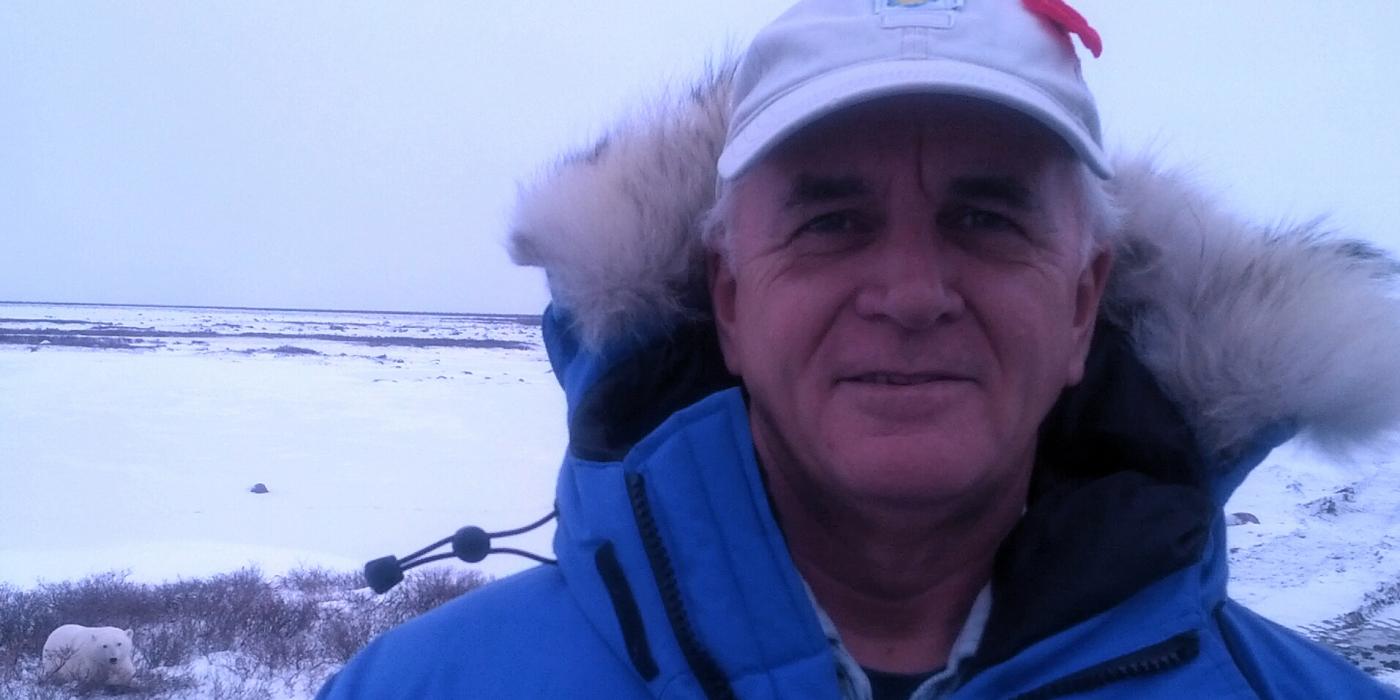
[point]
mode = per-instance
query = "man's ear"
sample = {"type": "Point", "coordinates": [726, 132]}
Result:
{"type": "Point", "coordinates": [1088, 292]}
{"type": "Point", "coordinates": [724, 289]}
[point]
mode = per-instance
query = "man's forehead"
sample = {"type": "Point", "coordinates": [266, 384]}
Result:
{"type": "Point", "coordinates": [844, 169]}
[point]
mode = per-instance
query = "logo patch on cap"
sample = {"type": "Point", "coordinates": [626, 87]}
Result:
{"type": "Point", "coordinates": [935, 14]}
{"type": "Point", "coordinates": [882, 5]}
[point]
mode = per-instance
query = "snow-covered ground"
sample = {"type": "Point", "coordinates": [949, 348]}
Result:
{"type": "Point", "coordinates": [1324, 557]}
{"type": "Point", "coordinates": [130, 440]}
{"type": "Point", "coordinates": [1328, 535]}
{"type": "Point", "coordinates": [397, 431]}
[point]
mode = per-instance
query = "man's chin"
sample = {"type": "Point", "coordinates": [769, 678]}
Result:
{"type": "Point", "coordinates": [921, 475]}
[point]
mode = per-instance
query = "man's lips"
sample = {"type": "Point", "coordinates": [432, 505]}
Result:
{"type": "Point", "coordinates": [898, 379]}
{"type": "Point", "coordinates": [903, 397]}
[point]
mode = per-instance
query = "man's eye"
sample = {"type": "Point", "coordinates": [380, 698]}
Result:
{"type": "Point", "coordinates": [982, 220]}
{"type": "Point", "coordinates": [832, 222]}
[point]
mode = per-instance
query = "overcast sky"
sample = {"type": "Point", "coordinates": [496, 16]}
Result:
{"type": "Point", "coordinates": [365, 155]}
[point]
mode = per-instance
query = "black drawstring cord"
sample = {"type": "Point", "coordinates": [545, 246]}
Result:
{"type": "Point", "coordinates": [470, 544]}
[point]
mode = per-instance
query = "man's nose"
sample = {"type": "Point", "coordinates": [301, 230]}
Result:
{"type": "Point", "coordinates": [910, 280]}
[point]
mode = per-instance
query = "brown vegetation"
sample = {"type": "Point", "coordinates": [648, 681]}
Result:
{"type": "Point", "coordinates": [236, 635]}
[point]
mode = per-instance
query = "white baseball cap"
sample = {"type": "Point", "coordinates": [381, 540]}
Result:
{"type": "Point", "coordinates": [822, 56]}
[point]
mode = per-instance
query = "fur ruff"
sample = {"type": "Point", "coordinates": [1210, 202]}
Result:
{"type": "Point", "coordinates": [1245, 327]}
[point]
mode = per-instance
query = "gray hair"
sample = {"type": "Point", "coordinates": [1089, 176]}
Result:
{"type": "Point", "coordinates": [1094, 204]}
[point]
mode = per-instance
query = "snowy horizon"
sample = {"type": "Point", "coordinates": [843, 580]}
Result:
{"type": "Point", "coordinates": [177, 306]}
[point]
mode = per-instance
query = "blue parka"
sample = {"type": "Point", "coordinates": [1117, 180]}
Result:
{"type": "Point", "coordinates": [674, 580]}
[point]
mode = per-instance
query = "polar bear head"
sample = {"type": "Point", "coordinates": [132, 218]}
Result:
{"type": "Point", "coordinates": [114, 651]}
{"type": "Point", "coordinates": [98, 655]}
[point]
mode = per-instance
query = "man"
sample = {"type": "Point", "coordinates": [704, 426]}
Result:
{"type": "Point", "coordinates": [853, 422]}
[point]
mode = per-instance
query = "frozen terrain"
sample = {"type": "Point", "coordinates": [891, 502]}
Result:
{"type": "Point", "coordinates": [1324, 557]}
{"type": "Point", "coordinates": [130, 437]}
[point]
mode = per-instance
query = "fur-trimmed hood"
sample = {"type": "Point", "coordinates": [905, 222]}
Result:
{"type": "Point", "coordinates": [1246, 328]}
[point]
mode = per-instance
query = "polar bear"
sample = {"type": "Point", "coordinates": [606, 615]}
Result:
{"type": "Point", "coordinates": [90, 655]}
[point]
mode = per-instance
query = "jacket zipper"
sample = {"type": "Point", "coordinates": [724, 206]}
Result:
{"type": "Point", "coordinates": [1158, 658]}
{"type": "Point", "coordinates": [707, 673]}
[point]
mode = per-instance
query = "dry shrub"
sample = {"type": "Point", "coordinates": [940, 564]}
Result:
{"type": "Point", "coordinates": [302, 626]}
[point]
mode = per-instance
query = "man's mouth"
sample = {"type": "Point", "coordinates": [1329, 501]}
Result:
{"type": "Point", "coordinates": [898, 378]}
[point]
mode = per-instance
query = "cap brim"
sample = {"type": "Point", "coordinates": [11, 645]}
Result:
{"type": "Point", "coordinates": [865, 82]}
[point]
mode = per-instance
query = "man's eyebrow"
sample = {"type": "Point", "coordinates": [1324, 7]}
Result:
{"type": "Point", "coordinates": [810, 189]}
{"type": "Point", "coordinates": [1007, 190]}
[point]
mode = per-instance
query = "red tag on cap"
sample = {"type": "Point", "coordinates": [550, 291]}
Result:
{"type": "Point", "coordinates": [1066, 18]}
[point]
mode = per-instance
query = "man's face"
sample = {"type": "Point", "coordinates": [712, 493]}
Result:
{"type": "Point", "coordinates": [906, 299]}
